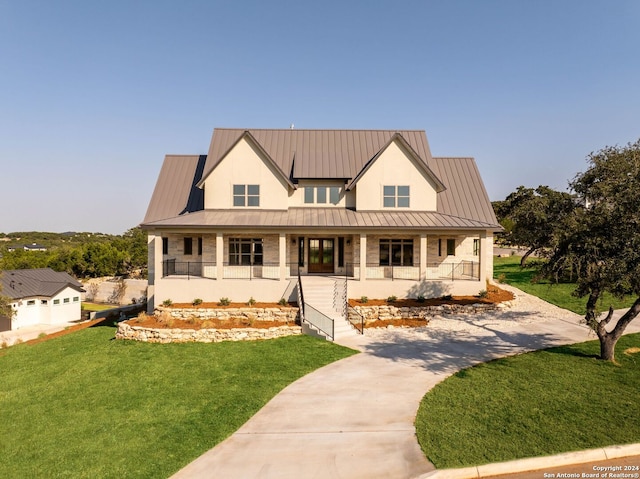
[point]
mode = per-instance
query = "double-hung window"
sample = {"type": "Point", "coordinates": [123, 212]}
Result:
{"type": "Point", "coordinates": [246, 195]}
{"type": "Point", "coordinates": [395, 196]}
{"type": "Point", "coordinates": [396, 252]}
{"type": "Point", "coordinates": [245, 251]}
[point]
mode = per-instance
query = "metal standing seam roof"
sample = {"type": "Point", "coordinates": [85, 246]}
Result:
{"type": "Point", "coordinates": [175, 192]}
{"type": "Point", "coordinates": [329, 154]}
{"type": "Point", "coordinates": [320, 218]}
{"type": "Point", "coordinates": [27, 283]}
{"type": "Point", "coordinates": [318, 153]}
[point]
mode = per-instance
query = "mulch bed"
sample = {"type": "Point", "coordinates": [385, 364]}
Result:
{"type": "Point", "coordinates": [156, 322]}
{"type": "Point", "coordinates": [230, 305]}
{"type": "Point", "coordinates": [494, 295]}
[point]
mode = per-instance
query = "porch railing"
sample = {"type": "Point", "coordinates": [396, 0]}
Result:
{"type": "Point", "coordinates": [202, 269]}
{"type": "Point", "coordinates": [454, 271]}
{"type": "Point", "coordinates": [462, 270]}
{"type": "Point", "coordinates": [171, 267]}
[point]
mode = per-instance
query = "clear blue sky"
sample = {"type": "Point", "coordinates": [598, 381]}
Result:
{"type": "Point", "coordinates": [94, 94]}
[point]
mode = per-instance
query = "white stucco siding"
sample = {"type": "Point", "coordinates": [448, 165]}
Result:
{"type": "Point", "coordinates": [61, 308]}
{"type": "Point", "coordinates": [65, 306]}
{"type": "Point", "coordinates": [244, 165]}
{"type": "Point", "coordinates": [395, 167]}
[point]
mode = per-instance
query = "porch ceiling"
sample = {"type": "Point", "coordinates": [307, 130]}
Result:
{"type": "Point", "coordinates": [321, 218]}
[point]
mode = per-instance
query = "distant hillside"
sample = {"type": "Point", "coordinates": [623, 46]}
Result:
{"type": "Point", "coordinates": [83, 255]}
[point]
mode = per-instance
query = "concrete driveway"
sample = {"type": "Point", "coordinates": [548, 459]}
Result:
{"type": "Point", "coordinates": [354, 418]}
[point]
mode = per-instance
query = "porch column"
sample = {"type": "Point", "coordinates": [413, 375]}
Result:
{"type": "Point", "coordinates": [363, 256]}
{"type": "Point", "coordinates": [154, 248]}
{"type": "Point", "coordinates": [219, 256]}
{"type": "Point", "coordinates": [282, 255]}
{"type": "Point", "coordinates": [483, 259]}
{"type": "Point", "coordinates": [423, 256]}
{"type": "Point", "coordinates": [208, 257]}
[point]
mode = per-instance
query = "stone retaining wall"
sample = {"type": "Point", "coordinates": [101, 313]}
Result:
{"type": "Point", "coordinates": [178, 335]}
{"type": "Point", "coordinates": [285, 314]}
{"type": "Point", "coordinates": [386, 312]}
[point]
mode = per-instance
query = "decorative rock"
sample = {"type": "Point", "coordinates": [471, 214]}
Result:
{"type": "Point", "coordinates": [152, 335]}
{"type": "Point", "coordinates": [389, 312]}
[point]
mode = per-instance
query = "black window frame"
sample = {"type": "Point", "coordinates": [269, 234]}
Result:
{"type": "Point", "coordinates": [396, 252]}
{"type": "Point", "coordinates": [246, 251]}
{"type": "Point", "coordinates": [187, 243]}
{"type": "Point", "coordinates": [165, 246]}
{"type": "Point", "coordinates": [451, 247]}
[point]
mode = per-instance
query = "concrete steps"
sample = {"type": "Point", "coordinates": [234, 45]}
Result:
{"type": "Point", "coordinates": [319, 293]}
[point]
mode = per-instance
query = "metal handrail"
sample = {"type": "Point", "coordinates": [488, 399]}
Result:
{"type": "Point", "coordinates": [353, 310]}
{"type": "Point", "coordinates": [300, 299]}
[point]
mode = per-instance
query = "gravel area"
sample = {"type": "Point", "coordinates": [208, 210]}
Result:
{"type": "Point", "coordinates": [524, 309]}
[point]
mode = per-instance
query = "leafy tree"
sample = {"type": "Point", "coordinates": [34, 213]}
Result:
{"type": "Point", "coordinates": [5, 304]}
{"type": "Point", "coordinates": [601, 246]}
{"type": "Point", "coordinates": [80, 254]}
{"type": "Point", "coordinates": [530, 217]}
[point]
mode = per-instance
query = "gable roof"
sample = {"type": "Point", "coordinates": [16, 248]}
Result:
{"type": "Point", "coordinates": [27, 283]}
{"type": "Point", "coordinates": [246, 134]}
{"type": "Point", "coordinates": [327, 154]}
{"type": "Point", "coordinates": [420, 164]}
{"type": "Point", "coordinates": [313, 154]}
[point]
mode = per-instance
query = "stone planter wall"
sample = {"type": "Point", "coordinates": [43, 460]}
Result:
{"type": "Point", "coordinates": [287, 314]}
{"type": "Point", "coordinates": [385, 312]}
{"type": "Point", "coordinates": [178, 335]}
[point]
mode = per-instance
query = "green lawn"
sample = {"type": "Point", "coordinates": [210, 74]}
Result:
{"type": "Point", "coordinates": [541, 403]}
{"type": "Point", "coordinates": [87, 406]}
{"type": "Point", "coordinates": [508, 269]}
{"type": "Point", "coordinates": [97, 306]}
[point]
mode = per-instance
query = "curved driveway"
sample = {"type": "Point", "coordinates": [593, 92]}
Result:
{"type": "Point", "coordinates": [354, 418]}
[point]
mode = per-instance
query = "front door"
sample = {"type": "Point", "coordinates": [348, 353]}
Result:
{"type": "Point", "coordinates": [321, 255]}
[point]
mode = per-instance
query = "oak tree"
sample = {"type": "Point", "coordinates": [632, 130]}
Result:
{"type": "Point", "coordinates": [530, 216]}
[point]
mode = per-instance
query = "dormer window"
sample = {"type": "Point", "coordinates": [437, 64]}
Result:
{"type": "Point", "coordinates": [246, 195]}
{"type": "Point", "coordinates": [395, 196]}
{"type": "Point", "coordinates": [320, 194]}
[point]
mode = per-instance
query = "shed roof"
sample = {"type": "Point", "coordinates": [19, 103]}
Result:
{"type": "Point", "coordinates": [323, 218]}
{"type": "Point", "coordinates": [27, 283]}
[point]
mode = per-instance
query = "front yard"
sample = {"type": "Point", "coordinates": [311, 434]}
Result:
{"type": "Point", "coordinates": [546, 402]}
{"type": "Point", "coordinates": [84, 405]}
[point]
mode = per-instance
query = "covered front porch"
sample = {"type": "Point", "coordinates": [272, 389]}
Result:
{"type": "Point", "coordinates": [453, 256]}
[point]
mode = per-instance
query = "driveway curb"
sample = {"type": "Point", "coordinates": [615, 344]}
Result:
{"type": "Point", "coordinates": [535, 463]}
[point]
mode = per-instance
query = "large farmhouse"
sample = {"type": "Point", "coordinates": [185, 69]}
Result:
{"type": "Point", "coordinates": [374, 208]}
